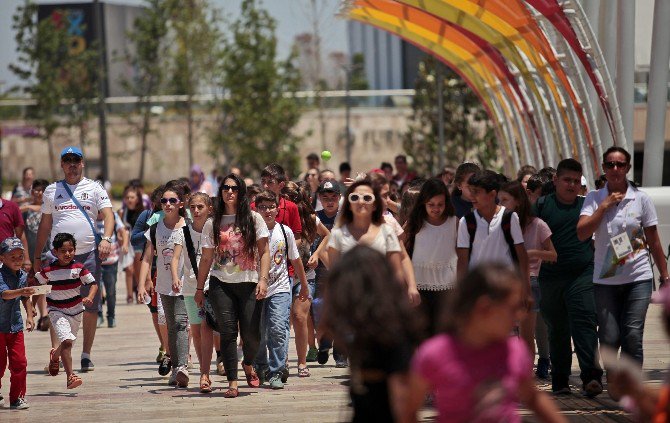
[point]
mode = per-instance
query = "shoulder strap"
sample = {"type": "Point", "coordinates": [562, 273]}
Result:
{"type": "Point", "coordinates": [506, 226]}
{"type": "Point", "coordinates": [190, 249]}
{"type": "Point", "coordinates": [97, 236]}
{"type": "Point", "coordinates": [283, 231]}
{"type": "Point", "coordinates": [471, 223]}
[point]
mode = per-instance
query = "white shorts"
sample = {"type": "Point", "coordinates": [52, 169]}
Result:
{"type": "Point", "coordinates": [66, 327]}
{"type": "Point", "coordinates": [161, 312]}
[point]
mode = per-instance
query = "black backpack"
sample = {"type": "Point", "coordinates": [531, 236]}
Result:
{"type": "Point", "coordinates": [506, 226]}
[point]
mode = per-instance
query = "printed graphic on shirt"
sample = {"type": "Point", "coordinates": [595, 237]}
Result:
{"type": "Point", "coordinates": [231, 254]}
{"type": "Point", "coordinates": [279, 255]}
{"type": "Point", "coordinates": [612, 266]}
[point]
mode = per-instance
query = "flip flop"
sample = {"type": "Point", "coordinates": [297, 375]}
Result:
{"type": "Point", "coordinates": [252, 377]}
{"type": "Point", "coordinates": [205, 384]}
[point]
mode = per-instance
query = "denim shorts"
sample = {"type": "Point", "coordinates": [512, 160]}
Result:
{"type": "Point", "coordinates": [311, 288]}
{"type": "Point", "coordinates": [535, 292]}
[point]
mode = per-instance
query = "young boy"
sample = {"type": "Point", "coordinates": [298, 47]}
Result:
{"type": "Point", "coordinates": [13, 290]}
{"type": "Point", "coordinates": [461, 197]}
{"type": "Point", "coordinates": [491, 228]}
{"type": "Point", "coordinates": [566, 287]}
{"type": "Point", "coordinates": [65, 302]}
{"type": "Point", "coordinates": [275, 329]}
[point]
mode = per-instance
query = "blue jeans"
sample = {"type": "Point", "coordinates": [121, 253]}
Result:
{"type": "Point", "coordinates": [621, 311]}
{"type": "Point", "coordinates": [109, 275]}
{"type": "Point", "coordinates": [275, 333]}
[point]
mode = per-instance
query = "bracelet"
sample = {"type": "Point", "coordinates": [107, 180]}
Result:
{"type": "Point", "coordinates": [264, 277]}
{"type": "Point", "coordinates": [199, 289]}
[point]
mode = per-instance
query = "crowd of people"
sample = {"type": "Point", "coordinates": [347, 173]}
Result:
{"type": "Point", "coordinates": [441, 289]}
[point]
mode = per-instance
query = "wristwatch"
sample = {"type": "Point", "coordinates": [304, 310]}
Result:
{"type": "Point", "coordinates": [106, 238]}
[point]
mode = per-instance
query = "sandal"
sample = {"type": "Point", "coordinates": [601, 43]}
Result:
{"type": "Point", "coordinates": [303, 372]}
{"type": "Point", "coordinates": [231, 393]}
{"type": "Point", "coordinates": [205, 384]}
{"type": "Point", "coordinates": [252, 377]}
{"type": "Point", "coordinates": [54, 365]}
{"type": "Point", "coordinates": [73, 381]}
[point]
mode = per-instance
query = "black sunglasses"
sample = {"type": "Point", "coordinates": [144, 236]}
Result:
{"type": "Point", "coordinates": [226, 188]}
{"type": "Point", "coordinates": [612, 165]}
{"type": "Point", "coordinates": [71, 159]}
{"type": "Point", "coordinates": [171, 200]}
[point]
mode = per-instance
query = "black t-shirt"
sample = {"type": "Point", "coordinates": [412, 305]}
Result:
{"type": "Point", "coordinates": [573, 255]}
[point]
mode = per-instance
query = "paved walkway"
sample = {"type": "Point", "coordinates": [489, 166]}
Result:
{"type": "Point", "coordinates": [125, 385]}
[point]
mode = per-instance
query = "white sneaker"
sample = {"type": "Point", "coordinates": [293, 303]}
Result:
{"type": "Point", "coordinates": [2, 401]}
{"type": "Point", "coordinates": [173, 378]}
{"type": "Point", "coordinates": [19, 404]}
{"type": "Point", "coordinates": [182, 377]}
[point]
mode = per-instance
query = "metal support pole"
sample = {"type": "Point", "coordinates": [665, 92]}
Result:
{"type": "Point", "coordinates": [440, 118]}
{"type": "Point", "coordinates": [654, 146]}
{"type": "Point", "coordinates": [607, 39]}
{"type": "Point", "coordinates": [625, 65]}
{"type": "Point", "coordinates": [102, 88]}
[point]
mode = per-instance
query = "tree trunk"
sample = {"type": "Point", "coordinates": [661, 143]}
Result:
{"type": "Point", "coordinates": [189, 119]}
{"type": "Point", "coordinates": [52, 156]}
{"type": "Point", "coordinates": [146, 122]}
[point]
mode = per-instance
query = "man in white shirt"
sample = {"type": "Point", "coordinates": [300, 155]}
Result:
{"type": "Point", "coordinates": [62, 213]}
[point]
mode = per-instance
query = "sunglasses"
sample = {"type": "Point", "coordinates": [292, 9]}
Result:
{"type": "Point", "coordinates": [226, 188]}
{"type": "Point", "coordinates": [266, 208]}
{"type": "Point", "coordinates": [71, 159]}
{"type": "Point", "coordinates": [365, 198]}
{"type": "Point", "coordinates": [171, 200]}
{"type": "Point", "coordinates": [612, 165]}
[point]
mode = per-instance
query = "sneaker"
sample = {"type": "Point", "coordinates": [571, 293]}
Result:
{"type": "Point", "coordinates": [111, 323]}
{"type": "Point", "coordinates": [173, 378]}
{"type": "Point", "coordinates": [161, 354]}
{"type": "Point", "coordinates": [2, 401]}
{"type": "Point", "coordinates": [19, 404]}
{"type": "Point", "coordinates": [262, 373]}
{"type": "Point", "coordinates": [593, 388]}
{"type": "Point", "coordinates": [182, 377]}
{"type": "Point", "coordinates": [276, 382]}
{"type": "Point", "coordinates": [542, 371]}
{"type": "Point", "coordinates": [341, 362]}
{"type": "Point", "coordinates": [87, 365]}
{"type": "Point", "coordinates": [54, 365]}
{"type": "Point", "coordinates": [73, 381]}
{"type": "Point", "coordinates": [165, 366]}
{"type": "Point", "coordinates": [312, 354]}
{"type": "Point", "coordinates": [322, 356]}
{"type": "Point", "coordinates": [101, 321]}
{"type": "Point", "coordinates": [284, 374]}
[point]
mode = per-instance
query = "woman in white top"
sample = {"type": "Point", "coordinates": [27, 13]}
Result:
{"type": "Point", "coordinates": [431, 231]}
{"type": "Point", "coordinates": [624, 222]}
{"type": "Point", "coordinates": [239, 277]}
{"type": "Point", "coordinates": [361, 222]}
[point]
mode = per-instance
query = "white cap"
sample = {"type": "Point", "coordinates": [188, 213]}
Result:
{"type": "Point", "coordinates": [584, 181]}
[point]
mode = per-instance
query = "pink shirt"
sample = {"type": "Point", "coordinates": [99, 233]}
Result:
{"type": "Point", "coordinates": [474, 385]}
{"type": "Point", "coordinates": [536, 232]}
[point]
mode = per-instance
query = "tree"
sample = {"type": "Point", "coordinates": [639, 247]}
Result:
{"type": "Point", "coordinates": [194, 30]}
{"type": "Point", "coordinates": [358, 80]}
{"type": "Point", "coordinates": [43, 57]}
{"type": "Point", "coordinates": [256, 118]}
{"type": "Point", "coordinates": [466, 126]}
{"type": "Point", "coordinates": [146, 58]}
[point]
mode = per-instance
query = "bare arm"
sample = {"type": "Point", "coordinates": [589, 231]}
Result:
{"type": "Point", "coordinates": [104, 248]}
{"type": "Point", "coordinates": [264, 270]}
{"type": "Point", "coordinates": [410, 280]}
{"type": "Point", "coordinates": [587, 225]}
{"type": "Point", "coordinates": [417, 389]}
{"type": "Point", "coordinates": [333, 256]}
{"type": "Point", "coordinates": [651, 233]}
{"type": "Point", "coordinates": [30, 312]}
{"type": "Point", "coordinates": [463, 263]}
{"type": "Point", "coordinates": [302, 277]}
{"type": "Point", "coordinates": [396, 264]}
{"type": "Point", "coordinates": [43, 232]}
{"type": "Point", "coordinates": [547, 253]}
{"type": "Point", "coordinates": [174, 267]}
{"type": "Point", "coordinates": [206, 260]}
{"type": "Point", "coordinates": [144, 282]}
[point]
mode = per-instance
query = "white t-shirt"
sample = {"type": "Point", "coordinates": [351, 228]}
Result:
{"type": "Point", "coordinates": [393, 223]}
{"type": "Point", "coordinates": [67, 218]}
{"type": "Point", "coordinates": [434, 258]}
{"type": "Point", "coordinates": [279, 281]}
{"type": "Point", "coordinates": [386, 240]}
{"type": "Point", "coordinates": [638, 212]}
{"type": "Point", "coordinates": [190, 281]}
{"type": "Point", "coordinates": [231, 263]}
{"type": "Point", "coordinates": [165, 241]}
{"type": "Point", "coordinates": [489, 244]}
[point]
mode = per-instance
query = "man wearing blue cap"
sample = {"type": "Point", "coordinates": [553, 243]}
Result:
{"type": "Point", "coordinates": [72, 206]}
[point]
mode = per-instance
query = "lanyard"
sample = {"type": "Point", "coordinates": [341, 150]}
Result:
{"type": "Point", "coordinates": [610, 232]}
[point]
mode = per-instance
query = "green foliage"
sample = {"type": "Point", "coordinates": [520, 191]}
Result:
{"type": "Point", "coordinates": [256, 119]}
{"type": "Point", "coordinates": [148, 38]}
{"type": "Point", "coordinates": [467, 131]}
{"type": "Point", "coordinates": [358, 80]}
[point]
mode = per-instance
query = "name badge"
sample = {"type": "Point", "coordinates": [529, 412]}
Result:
{"type": "Point", "coordinates": [621, 245]}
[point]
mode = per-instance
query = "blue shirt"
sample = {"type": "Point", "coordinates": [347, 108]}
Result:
{"type": "Point", "coordinates": [10, 310]}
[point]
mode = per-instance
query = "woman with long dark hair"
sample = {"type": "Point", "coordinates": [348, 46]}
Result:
{"type": "Point", "coordinates": [238, 248]}
{"type": "Point", "coordinates": [430, 239]}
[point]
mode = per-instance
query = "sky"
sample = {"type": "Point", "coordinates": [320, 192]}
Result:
{"type": "Point", "coordinates": [293, 17]}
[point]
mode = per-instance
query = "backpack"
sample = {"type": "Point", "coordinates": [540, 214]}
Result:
{"type": "Point", "coordinates": [506, 226]}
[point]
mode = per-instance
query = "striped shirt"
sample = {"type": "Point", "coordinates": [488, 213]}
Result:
{"type": "Point", "coordinates": [66, 282]}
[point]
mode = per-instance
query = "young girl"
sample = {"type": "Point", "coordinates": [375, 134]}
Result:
{"type": "Point", "coordinates": [537, 240]}
{"type": "Point", "coordinates": [476, 371]}
{"type": "Point", "coordinates": [200, 205]}
{"type": "Point", "coordinates": [430, 239]}
{"type": "Point", "coordinates": [239, 278]}
{"type": "Point", "coordinates": [367, 310]}
{"type": "Point", "coordinates": [311, 227]}
{"type": "Point", "coordinates": [129, 212]}
{"type": "Point", "coordinates": [161, 242]}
